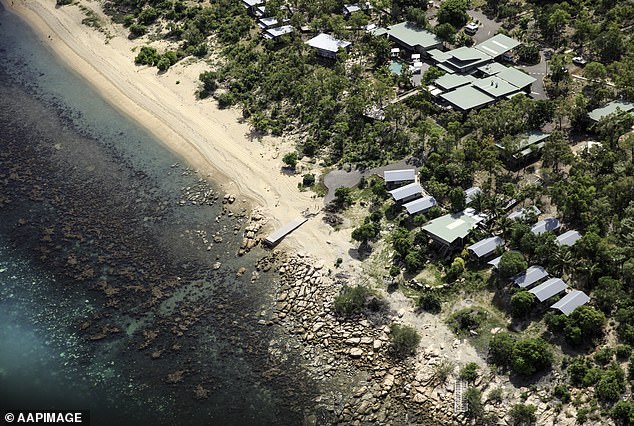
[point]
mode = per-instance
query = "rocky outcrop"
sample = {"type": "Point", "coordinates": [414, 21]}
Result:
{"type": "Point", "coordinates": [250, 238]}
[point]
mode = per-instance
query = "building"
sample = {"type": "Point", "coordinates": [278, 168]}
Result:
{"type": "Point", "coordinates": [394, 178]}
{"type": "Point", "coordinates": [251, 5]}
{"type": "Point", "coordinates": [462, 60]}
{"type": "Point", "coordinates": [407, 193]}
{"type": "Point", "coordinates": [485, 248]}
{"type": "Point", "coordinates": [453, 81]}
{"type": "Point", "coordinates": [549, 224]}
{"type": "Point", "coordinates": [497, 45]}
{"type": "Point", "coordinates": [530, 276]}
{"type": "Point", "coordinates": [420, 205]}
{"type": "Point", "coordinates": [525, 147]}
{"type": "Point", "coordinates": [568, 238]}
{"type": "Point", "coordinates": [548, 289]}
{"type": "Point", "coordinates": [524, 213]}
{"type": "Point", "coordinates": [266, 23]}
{"type": "Point", "coordinates": [413, 38]}
{"type": "Point", "coordinates": [495, 87]}
{"type": "Point", "coordinates": [471, 193]}
{"type": "Point", "coordinates": [349, 9]}
{"type": "Point", "coordinates": [275, 33]}
{"type": "Point", "coordinates": [571, 301]}
{"type": "Point", "coordinates": [451, 229]}
{"type": "Point", "coordinates": [327, 46]}
{"type": "Point", "coordinates": [516, 77]}
{"type": "Point", "coordinates": [467, 98]}
{"type": "Point", "coordinates": [618, 107]}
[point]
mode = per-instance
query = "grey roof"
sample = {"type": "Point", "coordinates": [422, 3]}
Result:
{"type": "Point", "coordinates": [516, 77]}
{"type": "Point", "coordinates": [277, 32]}
{"type": "Point", "coordinates": [399, 175]}
{"type": "Point", "coordinates": [486, 246]}
{"type": "Point", "coordinates": [612, 107]}
{"type": "Point", "coordinates": [286, 229]}
{"type": "Point", "coordinates": [451, 81]}
{"type": "Point", "coordinates": [549, 288]}
{"type": "Point", "coordinates": [492, 68]}
{"type": "Point", "coordinates": [450, 227]}
{"type": "Point", "coordinates": [252, 3]}
{"type": "Point", "coordinates": [412, 35]}
{"type": "Point", "coordinates": [467, 97]}
{"type": "Point", "coordinates": [495, 262]}
{"type": "Point", "coordinates": [571, 301]}
{"type": "Point", "coordinates": [420, 205]}
{"type": "Point", "coordinates": [530, 276]}
{"type": "Point", "coordinates": [523, 212]}
{"type": "Point", "coordinates": [465, 57]}
{"type": "Point", "coordinates": [267, 22]}
{"type": "Point", "coordinates": [349, 8]}
{"type": "Point", "coordinates": [438, 55]}
{"type": "Point", "coordinates": [495, 86]}
{"type": "Point", "coordinates": [548, 224]}
{"type": "Point", "coordinates": [327, 42]}
{"type": "Point", "coordinates": [497, 45]}
{"type": "Point", "coordinates": [406, 191]}
{"type": "Point", "coordinates": [378, 31]}
{"type": "Point", "coordinates": [568, 238]}
{"type": "Point", "coordinates": [471, 193]}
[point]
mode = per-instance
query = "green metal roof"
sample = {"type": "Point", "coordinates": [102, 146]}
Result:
{"type": "Point", "coordinates": [450, 227]}
{"type": "Point", "coordinates": [492, 69]}
{"type": "Point", "coordinates": [412, 35]}
{"type": "Point", "coordinates": [451, 81]}
{"type": "Point", "coordinates": [497, 45]}
{"type": "Point", "coordinates": [495, 86]}
{"type": "Point", "coordinates": [610, 108]}
{"type": "Point", "coordinates": [526, 140]}
{"type": "Point", "coordinates": [467, 97]}
{"type": "Point", "coordinates": [516, 77]}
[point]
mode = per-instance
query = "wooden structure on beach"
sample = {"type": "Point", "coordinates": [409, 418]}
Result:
{"type": "Point", "coordinates": [280, 233]}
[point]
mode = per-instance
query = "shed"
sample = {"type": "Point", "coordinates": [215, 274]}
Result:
{"type": "Point", "coordinates": [407, 193]}
{"type": "Point", "coordinates": [614, 106]}
{"type": "Point", "coordinates": [497, 45]}
{"type": "Point", "coordinates": [397, 177]}
{"type": "Point", "coordinates": [571, 301]}
{"type": "Point", "coordinates": [549, 224]}
{"type": "Point", "coordinates": [549, 288]}
{"type": "Point", "coordinates": [524, 213]}
{"type": "Point", "coordinates": [412, 37]}
{"type": "Point", "coordinates": [486, 247]}
{"type": "Point", "coordinates": [471, 193]}
{"type": "Point", "coordinates": [530, 276]}
{"type": "Point", "coordinates": [420, 205]}
{"type": "Point", "coordinates": [327, 46]}
{"type": "Point", "coordinates": [449, 228]}
{"type": "Point", "coordinates": [466, 98]}
{"type": "Point", "coordinates": [568, 238]}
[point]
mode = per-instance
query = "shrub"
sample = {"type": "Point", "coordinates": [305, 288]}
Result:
{"type": "Point", "coordinates": [623, 352]}
{"type": "Point", "coordinates": [147, 56]}
{"type": "Point", "coordinates": [466, 320]}
{"type": "Point", "coordinates": [209, 81]}
{"type": "Point", "coordinates": [308, 180]}
{"type": "Point", "coordinates": [163, 64]}
{"type": "Point", "coordinates": [562, 392]}
{"type": "Point", "coordinates": [443, 370]}
{"type": "Point", "coordinates": [501, 349]}
{"type": "Point", "coordinates": [623, 413]}
{"type": "Point", "coordinates": [351, 300]}
{"type": "Point", "coordinates": [469, 372]}
{"type": "Point", "coordinates": [523, 414]}
{"type": "Point", "coordinates": [530, 356]}
{"type": "Point", "coordinates": [588, 320]}
{"type": "Point", "coordinates": [137, 30]}
{"type": "Point", "coordinates": [404, 339]}
{"type": "Point", "coordinates": [522, 303]}
{"type": "Point", "coordinates": [290, 159]}
{"type": "Point", "coordinates": [611, 384]}
{"type": "Point", "coordinates": [413, 262]}
{"type": "Point", "coordinates": [343, 197]}
{"type": "Point", "coordinates": [511, 263]}
{"type": "Point", "coordinates": [63, 2]}
{"type": "Point", "coordinates": [496, 395]}
{"type": "Point", "coordinates": [430, 302]}
{"type": "Point", "coordinates": [604, 356]}
{"type": "Point", "coordinates": [474, 402]}
{"type": "Point", "coordinates": [577, 370]}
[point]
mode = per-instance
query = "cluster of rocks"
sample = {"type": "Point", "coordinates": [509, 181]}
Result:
{"type": "Point", "coordinates": [250, 238]}
{"type": "Point", "coordinates": [200, 194]}
{"type": "Point", "coordinates": [228, 199]}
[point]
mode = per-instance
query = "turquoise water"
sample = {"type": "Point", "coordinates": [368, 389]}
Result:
{"type": "Point", "coordinates": [396, 67]}
{"type": "Point", "coordinates": [108, 301]}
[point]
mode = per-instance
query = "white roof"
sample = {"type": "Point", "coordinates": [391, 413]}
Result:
{"type": "Point", "coordinates": [279, 31]}
{"type": "Point", "coordinates": [523, 212]}
{"type": "Point", "coordinates": [327, 42]}
{"type": "Point", "coordinates": [486, 246]}
{"type": "Point", "coordinates": [495, 262]}
{"type": "Point", "coordinates": [568, 238]}
{"type": "Point", "coordinates": [399, 175]}
{"type": "Point", "coordinates": [471, 193]}
{"type": "Point", "coordinates": [420, 205]}
{"type": "Point", "coordinates": [548, 224]}
{"type": "Point", "coordinates": [571, 301]}
{"type": "Point", "coordinates": [530, 276]}
{"type": "Point", "coordinates": [549, 288]}
{"type": "Point", "coordinates": [267, 22]}
{"type": "Point", "coordinates": [406, 191]}
{"type": "Point", "coordinates": [252, 3]}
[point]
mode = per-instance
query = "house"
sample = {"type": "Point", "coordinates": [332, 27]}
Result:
{"type": "Point", "coordinates": [497, 45]}
{"type": "Point", "coordinates": [525, 147]}
{"type": "Point", "coordinates": [549, 224]}
{"type": "Point", "coordinates": [327, 46]}
{"type": "Point", "coordinates": [275, 33]}
{"type": "Point", "coordinates": [251, 5]}
{"type": "Point", "coordinates": [485, 248]}
{"type": "Point", "coordinates": [568, 238]}
{"type": "Point", "coordinates": [420, 205]}
{"type": "Point", "coordinates": [462, 60]}
{"type": "Point", "coordinates": [452, 81]}
{"type": "Point", "coordinates": [471, 193]}
{"type": "Point", "coordinates": [407, 193]}
{"type": "Point", "coordinates": [524, 213]}
{"type": "Point", "coordinates": [548, 289]}
{"type": "Point", "coordinates": [265, 23]}
{"type": "Point", "coordinates": [394, 178]}
{"type": "Point", "coordinates": [516, 77]}
{"type": "Point", "coordinates": [530, 276]}
{"type": "Point", "coordinates": [495, 87]}
{"type": "Point", "coordinates": [619, 107]}
{"type": "Point", "coordinates": [467, 98]}
{"type": "Point", "coordinates": [571, 301]}
{"type": "Point", "coordinates": [349, 9]}
{"type": "Point", "coordinates": [413, 38]}
{"type": "Point", "coordinates": [451, 229]}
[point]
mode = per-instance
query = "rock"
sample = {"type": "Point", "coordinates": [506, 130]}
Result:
{"type": "Point", "coordinates": [377, 344]}
{"type": "Point", "coordinates": [356, 352]}
{"type": "Point", "coordinates": [353, 341]}
{"type": "Point", "coordinates": [216, 266]}
{"type": "Point", "coordinates": [241, 271]}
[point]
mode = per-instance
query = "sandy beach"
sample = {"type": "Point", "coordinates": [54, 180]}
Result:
{"type": "Point", "coordinates": [214, 141]}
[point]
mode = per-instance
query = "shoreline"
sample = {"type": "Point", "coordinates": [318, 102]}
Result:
{"type": "Point", "coordinates": [209, 139]}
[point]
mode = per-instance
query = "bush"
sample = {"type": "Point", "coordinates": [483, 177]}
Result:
{"type": "Point", "coordinates": [163, 64]}
{"type": "Point", "coordinates": [589, 322]}
{"type": "Point", "coordinates": [523, 414]}
{"type": "Point", "coordinates": [475, 408]}
{"type": "Point", "coordinates": [469, 372]}
{"type": "Point", "coordinates": [604, 356]}
{"type": "Point", "coordinates": [343, 197]}
{"type": "Point", "coordinates": [209, 81]}
{"type": "Point", "coordinates": [137, 30]}
{"type": "Point", "coordinates": [290, 159]}
{"type": "Point", "coordinates": [623, 413]}
{"type": "Point", "coordinates": [623, 352]}
{"type": "Point", "coordinates": [404, 339]}
{"type": "Point", "coordinates": [577, 370]}
{"type": "Point", "coordinates": [562, 392]}
{"type": "Point", "coordinates": [225, 100]}
{"type": "Point", "coordinates": [443, 370]}
{"type": "Point", "coordinates": [430, 302]}
{"type": "Point", "coordinates": [63, 2]}
{"type": "Point", "coordinates": [522, 303]}
{"type": "Point", "coordinates": [611, 384]}
{"type": "Point", "coordinates": [308, 180]}
{"type": "Point", "coordinates": [413, 262]}
{"type": "Point", "coordinates": [352, 300]}
{"type": "Point", "coordinates": [530, 356]}
{"type": "Point", "coordinates": [466, 320]}
{"type": "Point", "coordinates": [511, 263]}
{"type": "Point", "coordinates": [496, 395]}
{"type": "Point", "coordinates": [501, 349]}
{"type": "Point", "coordinates": [147, 56]}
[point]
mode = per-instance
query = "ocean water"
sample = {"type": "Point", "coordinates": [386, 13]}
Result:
{"type": "Point", "coordinates": [108, 298]}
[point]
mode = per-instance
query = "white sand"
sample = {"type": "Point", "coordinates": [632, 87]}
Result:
{"type": "Point", "coordinates": [211, 140]}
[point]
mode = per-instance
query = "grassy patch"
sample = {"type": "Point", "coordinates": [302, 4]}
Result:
{"type": "Point", "coordinates": [431, 275]}
{"type": "Point", "coordinates": [476, 323]}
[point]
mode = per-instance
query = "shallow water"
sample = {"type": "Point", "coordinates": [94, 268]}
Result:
{"type": "Point", "coordinates": [108, 301]}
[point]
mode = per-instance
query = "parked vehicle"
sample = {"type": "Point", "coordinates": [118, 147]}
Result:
{"type": "Point", "coordinates": [579, 60]}
{"type": "Point", "coordinates": [471, 28]}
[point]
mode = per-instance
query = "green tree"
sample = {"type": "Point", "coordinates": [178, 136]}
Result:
{"type": "Point", "coordinates": [446, 32]}
{"type": "Point", "coordinates": [530, 356]}
{"type": "Point", "coordinates": [343, 197]}
{"type": "Point", "coordinates": [365, 232]}
{"type": "Point", "coordinates": [454, 12]}
{"type": "Point", "coordinates": [457, 199]}
{"type": "Point", "coordinates": [290, 159]}
{"type": "Point", "coordinates": [163, 64]}
{"type": "Point", "coordinates": [522, 303]}
{"type": "Point", "coordinates": [404, 340]}
{"type": "Point", "coordinates": [430, 302]}
{"type": "Point", "coordinates": [589, 320]}
{"type": "Point", "coordinates": [351, 300]}
{"type": "Point", "coordinates": [557, 152]}
{"type": "Point", "coordinates": [501, 349]}
{"type": "Point", "coordinates": [523, 414]}
{"type": "Point", "coordinates": [623, 413]}
{"type": "Point", "coordinates": [511, 264]}
{"type": "Point", "coordinates": [475, 408]}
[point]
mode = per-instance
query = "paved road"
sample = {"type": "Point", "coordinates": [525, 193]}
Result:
{"type": "Point", "coordinates": [488, 27]}
{"type": "Point", "coordinates": [539, 72]}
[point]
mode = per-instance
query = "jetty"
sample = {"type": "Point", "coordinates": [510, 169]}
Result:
{"type": "Point", "coordinates": [280, 233]}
